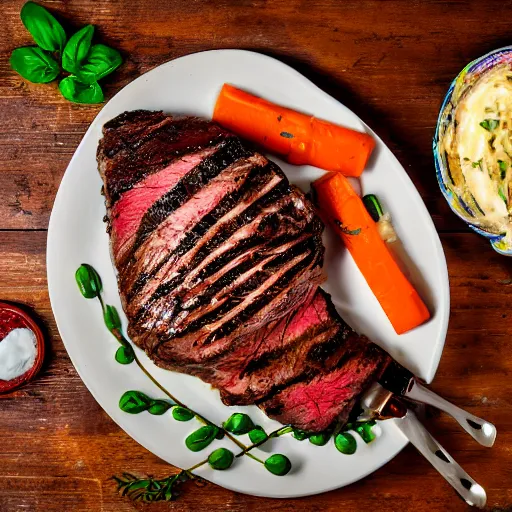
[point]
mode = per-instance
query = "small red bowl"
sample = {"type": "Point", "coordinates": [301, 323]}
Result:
{"type": "Point", "coordinates": [12, 317]}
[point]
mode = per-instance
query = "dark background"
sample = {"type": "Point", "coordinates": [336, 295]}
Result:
{"type": "Point", "coordinates": [391, 62]}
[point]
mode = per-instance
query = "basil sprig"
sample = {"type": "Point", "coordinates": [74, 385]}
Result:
{"type": "Point", "coordinates": [88, 63]}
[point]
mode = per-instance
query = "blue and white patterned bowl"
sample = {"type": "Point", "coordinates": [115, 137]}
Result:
{"type": "Point", "coordinates": [462, 82]}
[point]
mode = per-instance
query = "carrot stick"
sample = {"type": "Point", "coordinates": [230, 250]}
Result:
{"type": "Point", "coordinates": [342, 208]}
{"type": "Point", "coordinates": [300, 138]}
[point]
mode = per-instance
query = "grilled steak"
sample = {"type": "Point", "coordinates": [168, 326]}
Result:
{"type": "Point", "coordinates": [219, 260]}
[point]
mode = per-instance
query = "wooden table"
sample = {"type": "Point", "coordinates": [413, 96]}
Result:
{"type": "Point", "coordinates": [391, 62]}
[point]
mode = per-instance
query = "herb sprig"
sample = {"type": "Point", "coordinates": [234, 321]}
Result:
{"type": "Point", "coordinates": [86, 63]}
{"type": "Point", "coordinates": [149, 489]}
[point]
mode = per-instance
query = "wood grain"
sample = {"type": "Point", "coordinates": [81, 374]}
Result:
{"type": "Point", "coordinates": [391, 62]}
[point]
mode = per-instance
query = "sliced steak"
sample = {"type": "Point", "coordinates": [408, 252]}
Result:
{"type": "Point", "coordinates": [315, 404]}
{"type": "Point", "coordinates": [219, 260]}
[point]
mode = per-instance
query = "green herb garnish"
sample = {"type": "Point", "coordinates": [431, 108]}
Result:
{"type": "Point", "coordinates": [477, 164]}
{"type": "Point", "coordinates": [77, 48]}
{"type": "Point", "coordinates": [503, 196]}
{"type": "Point", "coordinates": [238, 424]}
{"type": "Point", "coordinates": [287, 135]}
{"type": "Point", "coordinates": [345, 443]}
{"type": "Point", "coordinates": [489, 124]}
{"type": "Point", "coordinates": [221, 459]}
{"type": "Point", "coordinates": [88, 63]}
{"type": "Point", "coordinates": [43, 27]}
{"type": "Point", "coordinates": [373, 206]}
{"type": "Point", "coordinates": [319, 439]}
{"type": "Point", "coordinates": [135, 402]}
{"type": "Point", "coordinates": [278, 464]}
{"type": "Point", "coordinates": [182, 413]}
{"type": "Point", "coordinates": [201, 438]}
{"type": "Point", "coordinates": [345, 230]}
{"type": "Point", "coordinates": [257, 435]}
{"type": "Point", "coordinates": [503, 169]}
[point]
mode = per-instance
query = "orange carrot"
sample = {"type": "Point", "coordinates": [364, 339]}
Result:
{"type": "Point", "coordinates": [342, 208]}
{"type": "Point", "coordinates": [300, 138]}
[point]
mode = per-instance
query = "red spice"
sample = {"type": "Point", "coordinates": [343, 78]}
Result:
{"type": "Point", "coordinates": [10, 320]}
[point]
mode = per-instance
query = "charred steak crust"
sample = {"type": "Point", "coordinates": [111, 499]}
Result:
{"type": "Point", "coordinates": [219, 260]}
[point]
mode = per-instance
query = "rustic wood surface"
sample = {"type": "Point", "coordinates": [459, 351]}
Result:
{"type": "Point", "coordinates": [391, 62]}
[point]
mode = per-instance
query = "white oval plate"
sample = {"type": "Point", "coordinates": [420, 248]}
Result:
{"type": "Point", "coordinates": [190, 85]}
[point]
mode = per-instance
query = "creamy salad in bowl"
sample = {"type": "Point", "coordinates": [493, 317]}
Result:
{"type": "Point", "coordinates": [473, 147]}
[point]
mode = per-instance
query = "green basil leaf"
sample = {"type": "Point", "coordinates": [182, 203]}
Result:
{"type": "Point", "coordinates": [238, 424]}
{"type": "Point", "coordinates": [111, 317]}
{"type": "Point", "coordinates": [319, 439]}
{"type": "Point", "coordinates": [34, 64]}
{"type": "Point", "coordinates": [44, 28]}
{"type": "Point", "coordinates": [77, 48]}
{"type": "Point", "coordinates": [74, 90]}
{"type": "Point", "coordinates": [100, 62]}
{"type": "Point", "coordinates": [345, 443]}
{"type": "Point", "coordinates": [159, 407]}
{"type": "Point", "coordinates": [201, 438]}
{"type": "Point", "coordinates": [300, 435]}
{"type": "Point", "coordinates": [278, 464]}
{"type": "Point", "coordinates": [134, 402]}
{"type": "Point", "coordinates": [88, 281]}
{"type": "Point", "coordinates": [257, 435]}
{"type": "Point", "coordinates": [125, 355]}
{"type": "Point", "coordinates": [221, 459]}
{"type": "Point", "coordinates": [181, 413]}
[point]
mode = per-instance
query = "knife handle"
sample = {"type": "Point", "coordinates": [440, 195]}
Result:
{"type": "Point", "coordinates": [480, 430]}
{"type": "Point", "coordinates": [469, 490]}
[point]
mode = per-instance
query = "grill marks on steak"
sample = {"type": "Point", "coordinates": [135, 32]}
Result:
{"type": "Point", "coordinates": [219, 261]}
{"type": "Point", "coordinates": [139, 143]}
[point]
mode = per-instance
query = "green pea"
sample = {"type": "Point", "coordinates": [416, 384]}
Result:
{"type": "Point", "coordinates": [201, 438]}
{"type": "Point", "coordinates": [278, 464]}
{"type": "Point", "coordinates": [159, 407]}
{"type": "Point", "coordinates": [181, 413]}
{"type": "Point", "coordinates": [221, 459]}
{"type": "Point", "coordinates": [238, 424]}
{"type": "Point", "coordinates": [134, 402]}
{"type": "Point", "coordinates": [345, 443]}
{"type": "Point", "coordinates": [365, 431]}
{"type": "Point", "coordinates": [300, 435]}
{"type": "Point", "coordinates": [88, 281]}
{"type": "Point", "coordinates": [125, 355]}
{"type": "Point", "coordinates": [319, 439]}
{"type": "Point", "coordinates": [257, 435]}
